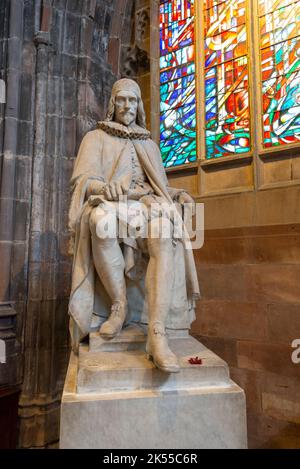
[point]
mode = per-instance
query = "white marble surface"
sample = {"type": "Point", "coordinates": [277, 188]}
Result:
{"type": "Point", "coordinates": [128, 403]}
{"type": "Point", "coordinates": [131, 337]}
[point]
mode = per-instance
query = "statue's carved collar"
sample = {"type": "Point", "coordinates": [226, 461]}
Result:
{"type": "Point", "coordinates": [119, 130]}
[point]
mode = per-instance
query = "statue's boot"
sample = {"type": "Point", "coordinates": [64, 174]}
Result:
{"type": "Point", "coordinates": [158, 350]}
{"type": "Point", "coordinates": [159, 277]}
{"type": "Point", "coordinates": [113, 325]}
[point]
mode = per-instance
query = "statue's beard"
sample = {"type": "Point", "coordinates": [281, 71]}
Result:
{"type": "Point", "coordinates": [127, 118]}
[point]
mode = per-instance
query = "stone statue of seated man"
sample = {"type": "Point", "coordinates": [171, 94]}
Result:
{"type": "Point", "coordinates": [117, 171]}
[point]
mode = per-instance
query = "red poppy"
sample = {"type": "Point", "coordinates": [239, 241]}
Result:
{"type": "Point", "coordinates": [195, 361]}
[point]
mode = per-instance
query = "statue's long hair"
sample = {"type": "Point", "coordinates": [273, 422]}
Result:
{"type": "Point", "coordinates": [140, 117]}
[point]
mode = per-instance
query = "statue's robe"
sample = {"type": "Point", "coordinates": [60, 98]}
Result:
{"type": "Point", "coordinates": [102, 156]}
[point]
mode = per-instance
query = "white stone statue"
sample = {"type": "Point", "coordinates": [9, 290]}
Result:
{"type": "Point", "coordinates": [125, 279]}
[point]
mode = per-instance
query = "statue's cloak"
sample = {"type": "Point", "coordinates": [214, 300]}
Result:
{"type": "Point", "coordinates": [102, 156]}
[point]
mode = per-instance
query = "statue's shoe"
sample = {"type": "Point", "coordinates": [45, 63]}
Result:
{"type": "Point", "coordinates": [158, 350]}
{"type": "Point", "coordinates": [113, 325]}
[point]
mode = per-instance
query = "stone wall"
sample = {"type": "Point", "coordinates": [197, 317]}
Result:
{"type": "Point", "coordinates": [59, 60]}
{"type": "Point", "coordinates": [249, 312]}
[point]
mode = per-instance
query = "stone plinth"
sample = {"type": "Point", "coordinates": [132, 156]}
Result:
{"type": "Point", "coordinates": [131, 338]}
{"type": "Point", "coordinates": [118, 399]}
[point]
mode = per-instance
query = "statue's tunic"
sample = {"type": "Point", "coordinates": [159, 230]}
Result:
{"type": "Point", "coordinates": [139, 178]}
{"type": "Point", "coordinates": [132, 213]}
{"type": "Point", "coordinates": [114, 152]}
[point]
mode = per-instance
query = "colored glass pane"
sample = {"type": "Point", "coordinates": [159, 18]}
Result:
{"type": "Point", "coordinates": [231, 16]}
{"type": "Point", "coordinates": [280, 57]}
{"type": "Point", "coordinates": [230, 75]}
{"type": "Point", "coordinates": [267, 6]}
{"type": "Point", "coordinates": [225, 46]}
{"type": "Point", "coordinates": [287, 91]}
{"type": "Point", "coordinates": [178, 135]}
{"type": "Point", "coordinates": [179, 30]}
{"type": "Point", "coordinates": [218, 145]}
{"type": "Point", "coordinates": [170, 12]}
{"type": "Point", "coordinates": [172, 119]}
{"type": "Point", "coordinates": [177, 72]}
{"type": "Point", "coordinates": [177, 58]}
{"type": "Point", "coordinates": [282, 127]}
{"type": "Point", "coordinates": [280, 25]}
{"type": "Point", "coordinates": [177, 93]}
{"type": "Point", "coordinates": [177, 78]}
{"type": "Point", "coordinates": [227, 119]}
{"type": "Point", "coordinates": [281, 60]}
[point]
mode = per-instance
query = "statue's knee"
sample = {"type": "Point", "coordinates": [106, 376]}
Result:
{"type": "Point", "coordinates": [160, 239]}
{"type": "Point", "coordinates": [94, 217]}
{"type": "Point", "coordinates": [103, 225]}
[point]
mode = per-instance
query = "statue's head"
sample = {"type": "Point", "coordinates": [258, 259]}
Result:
{"type": "Point", "coordinates": [126, 105]}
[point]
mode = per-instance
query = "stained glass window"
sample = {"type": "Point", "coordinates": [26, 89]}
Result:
{"type": "Point", "coordinates": [177, 82]}
{"type": "Point", "coordinates": [225, 52]}
{"type": "Point", "coordinates": [227, 128]}
{"type": "Point", "coordinates": [279, 24]}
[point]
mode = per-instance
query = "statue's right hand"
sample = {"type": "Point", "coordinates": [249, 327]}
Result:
{"type": "Point", "coordinates": [95, 187]}
{"type": "Point", "coordinates": [114, 190]}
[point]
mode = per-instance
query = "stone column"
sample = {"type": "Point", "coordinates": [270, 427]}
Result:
{"type": "Point", "coordinates": [13, 203]}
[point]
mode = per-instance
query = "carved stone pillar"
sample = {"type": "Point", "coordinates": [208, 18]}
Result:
{"type": "Point", "coordinates": [13, 201]}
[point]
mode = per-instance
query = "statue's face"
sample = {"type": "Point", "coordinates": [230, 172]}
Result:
{"type": "Point", "coordinates": [126, 105]}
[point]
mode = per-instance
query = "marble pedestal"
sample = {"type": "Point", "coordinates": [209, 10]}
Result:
{"type": "Point", "coordinates": [115, 398]}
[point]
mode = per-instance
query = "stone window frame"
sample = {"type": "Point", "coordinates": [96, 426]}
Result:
{"type": "Point", "coordinates": [259, 169]}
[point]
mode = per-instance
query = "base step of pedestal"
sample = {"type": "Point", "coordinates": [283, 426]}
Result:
{"type": "Point", "coordinates": [131, 370]}
{"type": "Point", "coordinates": [132, 337]}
